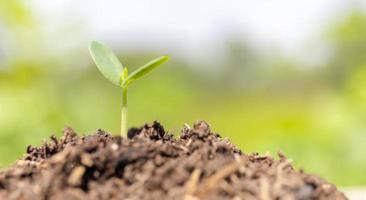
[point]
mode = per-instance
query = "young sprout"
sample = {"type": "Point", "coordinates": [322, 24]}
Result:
{"type": "Point", "coordinates": [109, 65]}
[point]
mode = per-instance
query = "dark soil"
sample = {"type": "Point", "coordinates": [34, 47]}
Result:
{"type": "Point", "coordinates": [152, 164]}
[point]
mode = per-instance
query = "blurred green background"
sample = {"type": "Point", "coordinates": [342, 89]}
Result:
{"type": "Point", "coordinates": [262, 99]}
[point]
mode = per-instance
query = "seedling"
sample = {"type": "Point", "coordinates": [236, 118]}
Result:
{"type": "Point", "coordinates": [112, 69]}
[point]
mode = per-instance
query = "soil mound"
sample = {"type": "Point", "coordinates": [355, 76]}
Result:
{"type": "Point", "coordinates": [152, 164]}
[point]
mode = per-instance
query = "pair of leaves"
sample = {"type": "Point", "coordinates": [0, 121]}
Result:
{"type": "Point", "coordinates": [109, 65]}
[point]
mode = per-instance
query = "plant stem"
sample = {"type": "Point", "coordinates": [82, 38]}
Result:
{"type": "Point", "coordinates": [124, 113]}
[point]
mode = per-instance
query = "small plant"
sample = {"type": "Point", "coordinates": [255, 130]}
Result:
{"type": "Point", "coordinates": [109, 65]}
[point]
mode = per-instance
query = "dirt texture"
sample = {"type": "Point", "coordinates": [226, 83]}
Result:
{"type": "Point", "coordinates": [152, 164]}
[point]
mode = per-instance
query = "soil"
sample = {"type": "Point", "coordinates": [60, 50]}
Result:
{"type": "Point", "coordinates": [152, 164]}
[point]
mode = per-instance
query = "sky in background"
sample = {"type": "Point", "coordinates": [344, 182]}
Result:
{"type": "Point", "coordinates": [195, 27]}
{"type": "Point", "coordinates": [197, 31]}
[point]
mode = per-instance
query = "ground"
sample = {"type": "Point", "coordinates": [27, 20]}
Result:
{"type": "Point", "coordinates": [152, 164]}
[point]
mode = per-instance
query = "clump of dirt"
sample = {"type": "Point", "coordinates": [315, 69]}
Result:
{"type": "Point", "coordinates": [152, 164]}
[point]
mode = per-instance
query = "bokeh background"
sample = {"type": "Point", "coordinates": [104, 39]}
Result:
{"type": "Point", "coordinates": [270, 75]}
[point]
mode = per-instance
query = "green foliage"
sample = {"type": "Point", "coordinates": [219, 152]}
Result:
{"type": "Point", "coordinates": [109, 65]}
{"type": "Point", "coordinates": [144, 70]}
{"type": "Point", "coordinates": [107, 62]}
{"type": "Point", "coordinates": [14, 13]}
{"type": "Point", "coordinates": [348, 47]}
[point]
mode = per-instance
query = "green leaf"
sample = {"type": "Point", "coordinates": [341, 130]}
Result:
{"type": "Point", "coordinates": [144, 70]}
{"type": "Point", "coordinates": [107, 62]}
